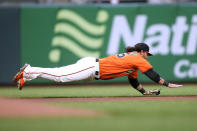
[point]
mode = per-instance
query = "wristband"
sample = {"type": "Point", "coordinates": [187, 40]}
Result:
{"type": "Point", "coordinates": [142, 90]}
{"type": "Point", "coordinates": [165, 83]}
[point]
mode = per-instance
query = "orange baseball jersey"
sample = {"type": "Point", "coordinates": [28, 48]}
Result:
{"type": "Point", "coordinates": [125, 64]}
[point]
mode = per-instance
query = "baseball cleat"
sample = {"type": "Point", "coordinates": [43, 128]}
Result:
{"type": "Point", "coordinates": [19, 75]}
{"type": "Point", "coordinates": [20, 84]}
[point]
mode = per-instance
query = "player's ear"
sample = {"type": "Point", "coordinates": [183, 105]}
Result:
{"type": "Point", "coordinates": [142, 53]}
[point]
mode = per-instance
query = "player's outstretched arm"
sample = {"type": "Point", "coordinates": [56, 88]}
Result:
{"type": "Point", "coordinates": [156, 78]}
{"type": "Point", "coordinates": [136, 85]}
{"type": "Point", "coordinates": [170, 85]}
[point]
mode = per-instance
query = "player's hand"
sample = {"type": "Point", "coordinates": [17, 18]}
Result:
{"type": "Point", "coordinates": [152, 92]}
{"type": "Point", "coordinates": [171, 85]}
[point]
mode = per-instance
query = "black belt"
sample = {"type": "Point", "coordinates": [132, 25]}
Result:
{"type": "Point", "coordinates": [97, 72]}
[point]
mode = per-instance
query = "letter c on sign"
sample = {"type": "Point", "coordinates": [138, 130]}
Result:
{"type": "Point", "coordinates": [177, 68]}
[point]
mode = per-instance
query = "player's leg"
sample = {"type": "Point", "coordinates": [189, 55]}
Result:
{"type": "Point", "coordinates": [82, 70]}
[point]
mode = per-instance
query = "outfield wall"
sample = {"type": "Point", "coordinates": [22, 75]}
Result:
{"type": "Point", "coordinates": [10, 45]}
{"type": "Point", "coordinates": [52, 36]}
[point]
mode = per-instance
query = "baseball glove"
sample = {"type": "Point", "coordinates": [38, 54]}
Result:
{"type": "Point", "coordinates": [152, 92]}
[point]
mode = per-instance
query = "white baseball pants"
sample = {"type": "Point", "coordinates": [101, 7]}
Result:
{"type": "Point", "coordinates": [84, 69]}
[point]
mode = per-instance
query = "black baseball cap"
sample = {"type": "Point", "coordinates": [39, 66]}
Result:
{"type": "Point", "coordinates": [144, 47]}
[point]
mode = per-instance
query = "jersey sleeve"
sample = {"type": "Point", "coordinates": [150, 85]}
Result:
{"type": "Point", "coordinates": [143, 65]}
{"type": "Point", "coordinates": [133, 75]}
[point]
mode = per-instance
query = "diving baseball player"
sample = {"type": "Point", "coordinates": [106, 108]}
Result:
{"type": "Point", "coordinates": [126, 64]}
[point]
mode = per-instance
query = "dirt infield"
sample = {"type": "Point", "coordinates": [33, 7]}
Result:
{"type": "Point", "coordinates": [28, 108]}
{"type": "Point", "coordinates": [36, 107]}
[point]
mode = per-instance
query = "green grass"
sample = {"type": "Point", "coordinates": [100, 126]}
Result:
{"type": "Point", "coordinates": [179, 115]}
{"type": "Point", "coordinates": [92, 91]}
